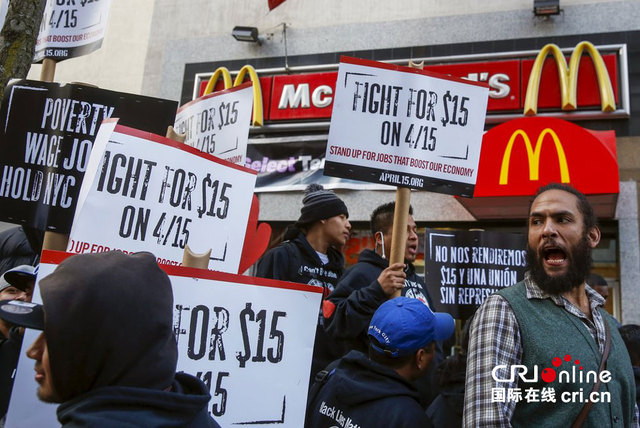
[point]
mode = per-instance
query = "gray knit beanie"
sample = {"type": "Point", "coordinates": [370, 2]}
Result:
{"type": "Point", "coordinates": [319, 204]}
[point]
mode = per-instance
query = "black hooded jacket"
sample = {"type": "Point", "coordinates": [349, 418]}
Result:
{"type": "Point", "coordinates": [296, 261]}
{"type": "Point", "coordinates": [348, 310]}
{"type": "Point", "coordinates": [350, 307]}
{"type": "Point", "coordinates": [361, 393]}
{"type": "Point", "coordinates": [108, 326]}
{"type": "Point", "coordinates": [129, 407]}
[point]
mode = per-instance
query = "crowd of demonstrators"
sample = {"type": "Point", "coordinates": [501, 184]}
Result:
{"type": "Point", "coordinates": [371, 282]}
{"type": "Point", "coordinates": [552, 313]}
{"type": "Point", "coordinates": [377, 389]}
{"type": "Point", "coordinates": [309, 256]}
{"type": "Point", "coordinates": [376, 350]}
{"type": "Point", "coordinates": [15, 284]}
{"type": "Point", "coordinates": [107, 352]}
{"type": "Point", "coordinates": [631, 336]}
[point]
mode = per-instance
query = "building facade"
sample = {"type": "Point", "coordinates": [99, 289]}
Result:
{"type": "Point", "coordinates": [167, 49]}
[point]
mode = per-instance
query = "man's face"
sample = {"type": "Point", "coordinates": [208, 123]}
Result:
{"type": "Point", "coordinates": [40, 352]}
{"type": "Point", "coordinates": [13, 293]}
{"type": "Point", "coordinates": [411, 248]}
{"type": "Point", "coordinates": [559, 249]}
{"type": "Point", "coordinates": [602, 290]}
{"type": "Point", "coordinates": [337, 229]}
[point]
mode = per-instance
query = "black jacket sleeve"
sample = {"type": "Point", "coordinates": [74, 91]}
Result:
{"type": "Point", "coordinates": [356, 298]}
{"type": "Point", "coordinates": [274, 264]}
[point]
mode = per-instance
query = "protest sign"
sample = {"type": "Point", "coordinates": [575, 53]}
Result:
{"type": "Point", "coordinates": [144, 192]}
{"type": "Point", "coordinates": [249, 339]}
{"type": "Point", "coordinates": [71, 28]}
{"type": "Point", "coordinates": [463, 268]}
{"type": "Point", "coordinates": [45, 141]}
{"type": "Point", "coordinates": [218, 123]}
{"type": "Point", "coordinates": [406, 127]}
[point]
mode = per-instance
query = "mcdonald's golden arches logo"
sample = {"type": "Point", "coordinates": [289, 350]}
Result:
{"type": "Point", "coordinates": [568, 76]}
{"type": "Point", "coordinates": [223, 72]}
{"type": "Point", "coordinates": [533, 155]}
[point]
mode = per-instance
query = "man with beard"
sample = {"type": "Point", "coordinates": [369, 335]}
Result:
{"type": "Point", "coordinates": [553, 324]}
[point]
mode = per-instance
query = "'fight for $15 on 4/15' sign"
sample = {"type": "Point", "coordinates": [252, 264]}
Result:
{"type": "Point", "coordinates": [406, 127]}
{"type": "Point", "coordinates": [250, 340]}
{"type": "Point", "coordinates": [144, 192]}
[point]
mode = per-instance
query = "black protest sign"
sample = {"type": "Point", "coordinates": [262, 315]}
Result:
{"type": "Point", "coordinates": [45, 141]}
{"type": "Point", "coordinates": [463, 268]}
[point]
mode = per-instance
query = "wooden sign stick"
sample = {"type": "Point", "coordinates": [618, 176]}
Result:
{"type": "Point", "coordinates": [400, 216]}
{"type": "Point", "coordinates": [189, 258]}
{"type": "Point", "coordinates": [48, 71]}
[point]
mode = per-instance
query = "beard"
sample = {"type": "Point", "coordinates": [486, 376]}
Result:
{"type": "Point", "coordinates": [579, 265]}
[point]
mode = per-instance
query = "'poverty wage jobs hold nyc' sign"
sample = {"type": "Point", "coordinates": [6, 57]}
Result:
{"type": "Point", "coordinates": [406, 127]}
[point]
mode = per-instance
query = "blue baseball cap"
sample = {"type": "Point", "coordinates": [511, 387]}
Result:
{"type": "Point", "coordinates": [402, 325]}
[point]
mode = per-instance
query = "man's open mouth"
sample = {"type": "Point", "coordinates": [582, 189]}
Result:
{"type": "Point", "coordinates": [554, 255]}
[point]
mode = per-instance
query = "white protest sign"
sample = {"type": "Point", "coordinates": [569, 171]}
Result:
{"type": "Point", "coordinates": [249, 339]}
{"type": "Point", "coordinates": [71, 28]}
{"type": "Point", "coordinates": [406, 127]}
{"type": "Point", "coordinates": [218, 123]}
{"type": "Point", "coordinates": [144, 192]}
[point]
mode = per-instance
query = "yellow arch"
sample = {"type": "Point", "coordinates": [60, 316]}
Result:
{"type": "Point", "coordinates": [568, 77]}
{"type": "Point", "coordinates": [533, 156]}
{"type": "Point", "coordinates": [223, 72]}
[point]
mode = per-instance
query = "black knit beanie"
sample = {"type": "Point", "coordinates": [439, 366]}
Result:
{"type": "Point", "coordinates": [319, 204]}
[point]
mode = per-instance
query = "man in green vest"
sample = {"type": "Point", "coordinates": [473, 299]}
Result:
{"type": "Point", "coordinates": [536, 348]}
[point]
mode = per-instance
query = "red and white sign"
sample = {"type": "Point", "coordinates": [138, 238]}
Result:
{"type": "Point", "coordinates": [521, 155]}
{"type": "Point", "coordinates": [249, 339]}
{"type": "Point", "coordinates": [406, 127]}
{"type": "Point", "coordinates": [218, 123]}
{"type": "Point", "coordinates": [144, 192]}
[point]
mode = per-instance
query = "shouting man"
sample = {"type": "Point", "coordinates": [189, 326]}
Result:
{"type": "Point", "coordinates": [554, 325]}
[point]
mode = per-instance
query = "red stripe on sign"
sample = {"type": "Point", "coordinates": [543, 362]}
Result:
{"type": "Point", "coordinates": [54, 257]}
{"type": "Point", "coordinates": [386, 66]}
{"type": "Point", "coordinates": [237, 279]}
{"type": "Point", "coordinates": [178, 145]}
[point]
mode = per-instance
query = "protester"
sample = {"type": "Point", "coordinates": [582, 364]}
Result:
{"type": "Point", "coordinates": [631, 335]}
{"type": "Point", "coordinates": [599, 284]}
{"type": "Point", "coordinates": [310, 256]}
{"type": "Point", "coordinates": [19, 245]}
{"type": "Point", "coordinates": [447, 408]}
{"type": "Point", "coordinates": [15, 284]}
{"type": "Point", "coordinates": [371, 282]}
{"type": "Point", "coordinates": [553, 324]}
{"type": "Point", "coordinates": [376, 390]}
{"type": "Point", "coordinates": [107, 351]}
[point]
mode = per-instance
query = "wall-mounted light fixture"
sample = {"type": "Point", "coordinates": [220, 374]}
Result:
{"type": "Point", "coordinates": [246, 34]}
{"type": "Point", "coordinates": [546, 7]}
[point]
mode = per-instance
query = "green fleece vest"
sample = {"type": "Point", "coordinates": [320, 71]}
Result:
{"type": "Point", "coordinates": [549, 331]}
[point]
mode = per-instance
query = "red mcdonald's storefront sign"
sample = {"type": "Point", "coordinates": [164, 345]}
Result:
{"type": "Point", "coordinates": [521, 155]}
{"type": "Point", "coordinates": [542, 80]}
